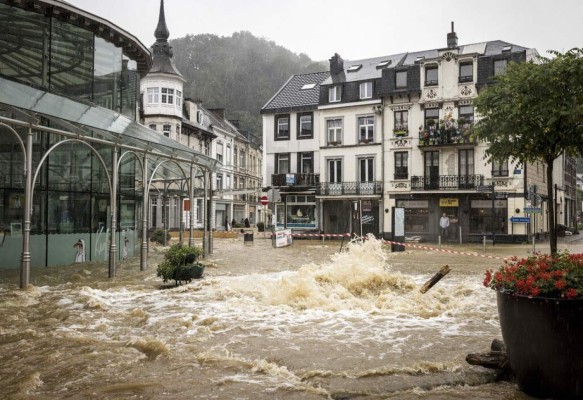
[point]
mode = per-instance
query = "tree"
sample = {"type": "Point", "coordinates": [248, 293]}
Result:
{"type": "Point", "coordinates": [535, 113]}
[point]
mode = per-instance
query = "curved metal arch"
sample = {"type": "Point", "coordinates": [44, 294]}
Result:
{"type": "Point", "coordinates": [135, 155]}
{"type": "Point", "coordinates": [162, 163]}
{"type": "Point", "coordinates": [93, 150]}
{"type": "Point", "coordinates": [22, 146]}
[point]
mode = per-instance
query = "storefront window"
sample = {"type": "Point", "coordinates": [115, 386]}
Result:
{"type": "Point", "coordinates": [301, 212]}
{"type": "Point", "coordinates": [482, 219]}
{"type": "Point", "coordinates": [416, 215]}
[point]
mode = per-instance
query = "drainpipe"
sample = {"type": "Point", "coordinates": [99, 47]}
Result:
{"type": "Point", "coordinates": [382, 205]}
{"type": "Point", "coordinates": [191, 231]}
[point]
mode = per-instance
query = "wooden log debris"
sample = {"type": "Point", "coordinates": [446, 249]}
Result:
{"type": "Point", "coordinates": [436, 278]}
{"type": "Point", "coordinates": [494, 359]}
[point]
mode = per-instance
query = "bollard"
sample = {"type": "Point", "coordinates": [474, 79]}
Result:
{"type": "Point", "coordinates": [484, 240]}
{"type": "Point", "coordinates": [439, 241]}
{"type": "Point", "coordinates": [460, 228]}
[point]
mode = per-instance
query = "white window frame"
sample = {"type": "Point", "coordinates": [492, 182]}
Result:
{"type": "Point", "coordinates": [400, 74]}
{"type": "Point", "coordinates": [369, 169]}
{"type": "Point", "coordinates": [167, 96]}
{"type": "Point", "coordinates": [283, 157]}
{"type": "Point", "coordinates": [365, 124]}
{"type": "Point", "coordinates": [166, 129]}
{"type": "Point", "coordinates": [178, 99]}
{"type": "Point", "coordinates": [333, 175]}
{"type": "Point", "coordinates": [335, 94]}
{"type": "Point", "coordinates": [500, 69]}
{"type": "Point", "coordinates": [334, 131]}
{"type": "Point", "coordinates": [283, 127]}
{"type": "Point", "coordinates": [153, 95]}
{"type": "Point", "coordinates": [220, 151]}
{"type": "Point", "coordinates": [306, 119]}
{"type": "Point", "coordinates": [366, 90]}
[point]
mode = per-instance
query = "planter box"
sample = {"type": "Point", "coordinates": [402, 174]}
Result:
{"type": "Point", "coordinates": [543, 340]}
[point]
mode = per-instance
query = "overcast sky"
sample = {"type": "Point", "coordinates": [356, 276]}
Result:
{"type": "Point", "coordinates": [356, 29]}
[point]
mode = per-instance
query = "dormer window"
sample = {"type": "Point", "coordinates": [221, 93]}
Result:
{"type": "Point", "coordinates": [366, 90]}
{"type": "Point", "coordinates": [506, 49]}
{"type": "Point", "coordinates": [431, 75]}
{"type": "Point", "coordinates": [401, 80]}
{"type": "Point", "coordinates": [199, 116]}
{"type": "Point", "coordinates": [335, 94]}
{"type": "Point", "coordinates": [500, 67]}
{"type": "Point", "coordinates": [466, 72]}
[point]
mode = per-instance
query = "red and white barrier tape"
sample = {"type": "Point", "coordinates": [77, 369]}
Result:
{"type": "Point", "coordinates": [445, 250]}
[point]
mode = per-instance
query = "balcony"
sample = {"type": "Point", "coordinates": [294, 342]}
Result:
{"type": "Point", "coordinates": [350, 188]}
{"type": "Point", "coordinates": [446, 182]}
{"type": "Point", "coordinates": [278, 180]}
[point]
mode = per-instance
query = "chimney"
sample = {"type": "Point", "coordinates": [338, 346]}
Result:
{"type": "Point", "coordinates": [451, 38]}
{"type": "Point", "coordinates": [219, 112]}
{"type": "Point", "coordinates": [336, 64]}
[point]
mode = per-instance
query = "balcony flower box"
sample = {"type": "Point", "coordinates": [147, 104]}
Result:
{"type": "Point", "coordinates": [400, 132]}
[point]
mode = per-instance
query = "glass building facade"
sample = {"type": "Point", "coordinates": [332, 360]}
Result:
{"type": "Point", "coordinates": [69, 85]}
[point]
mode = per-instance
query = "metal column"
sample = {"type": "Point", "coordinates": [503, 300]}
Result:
{"type": "Point", "coordinates": [113, 246]}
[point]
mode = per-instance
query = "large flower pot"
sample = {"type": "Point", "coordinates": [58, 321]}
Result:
{"type": "Point", "coordinates": [544, 341]}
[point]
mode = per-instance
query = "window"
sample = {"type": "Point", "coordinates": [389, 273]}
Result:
{"type": "Point", "coordinates": [499, 67]}
{"type": "Point", "coordinates": [219, 152]}
{"type": "Point", "coordinates": [235, 157]}
{"type": "Point", "coordinates": [354, 68]}
{"type": "Point", "coordinates": [242, 159]}
{"type": "Point", "coordinates": [219, 181]}
{"type": "Point", "coordinates": [305, 130]}
{"type": "Point", "coordinates": [466, 166]}
{"type": "Point", "coordinates": [334, 94]}
{"type": "Point", "coordinates": [401, 165]}
{"type": "Point", "coordinates": [366, 90]}
{"type": "Point", "coordinates": [401, 122]}
{"type": "Point", "coordinates": [366, 169]}
{"type": "Point", "coordinates": [431, 76]}
{"type": "Point", "coordinates": [466, 72]}
{"type": "Point", "coordinates": [228, 155]}
{"type": "Point", "coordinates": [152, 127]}
{"type": "Point", "coordinates": [335, 171]}
{"type": "Point", "coordinates": [308, 86]}
{"type": "Point", "coordinates": [334, 131]}
{"type": "Point", "coordinates": [178, 99]}
{"type": "Point", "coordinates": [306, 162]}
{"type": "Point", "coordinates": [282, 163]}
{"type": "Point", "coordinates": [167, 96]}
{"type": "Point", "coordinates": [401, 79]}
{"type": "Point", "coordinates": [166, 128]}
{"type": "Point", "coordinates": [366, 129]}
{"type": "Point", "coordinates": [467, 113]}
{"type": "Point", "coordinates": [383, 64]}
{"type": "Point", "coordinates": [431, 117]}
{"type": "Point", "coordinates": [153, 94]}
{"type": "Point", "coordinates": [282, 127]}
{"type": "Point", "coordinates": [500, 168]}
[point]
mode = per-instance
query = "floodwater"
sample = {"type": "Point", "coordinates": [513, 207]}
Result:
{"type": "Point", "coordinates": [302, 322]}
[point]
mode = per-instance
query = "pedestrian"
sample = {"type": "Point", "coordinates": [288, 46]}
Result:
{"type": "Point", "coordinates": [80, 254]}
{"type": "Point", "coordinates": [233, 223]}
{"type": "Point", "coordinates": [247, 224]}
{"type": "Point", "coordinates": [227, 224]}
{"type": "Point", "coordinates": [444, 224]}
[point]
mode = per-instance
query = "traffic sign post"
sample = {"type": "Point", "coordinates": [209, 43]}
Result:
{"type": "Point", "coordinates": [520, 220]}
{"type": "Point", "coordinates": [264, 200]}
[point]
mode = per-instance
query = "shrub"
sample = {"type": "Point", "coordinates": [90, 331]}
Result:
{"type": "Point", "coordinates": [158, 236]}
{"type": "Point", "coordinates": [174, 260]}
{"type": "Point", "coordinates": [260, 227]}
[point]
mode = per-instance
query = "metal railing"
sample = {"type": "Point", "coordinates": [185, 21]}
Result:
{"type": "Point", "coordinates": [351, 188]}
{"type": "Point", "coordinates": [446, 182]}
{"type": "Point", "coordinates": [295, 179]}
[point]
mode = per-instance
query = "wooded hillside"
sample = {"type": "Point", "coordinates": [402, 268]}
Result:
{"type": "Point", "coordinates": [239, 73]}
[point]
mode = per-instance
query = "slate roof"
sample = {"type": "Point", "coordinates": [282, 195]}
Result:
{"type": "Point", "coordinates": [292, 97]}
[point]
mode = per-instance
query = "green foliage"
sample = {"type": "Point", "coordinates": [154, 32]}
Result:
{"type": "Point", "coordinates": [158, 236]}
{"type": "Point", "coordinates": [534, 112]}
{"type": "Point", "coordinates": [260, 227]}
{"type": "Point", "coordinates": [239, 73]}
{"type": "Point", "coordinates": [174, 259]}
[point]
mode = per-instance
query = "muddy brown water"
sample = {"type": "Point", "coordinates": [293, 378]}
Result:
{"type": "Point", "coordinates": [302, 322]}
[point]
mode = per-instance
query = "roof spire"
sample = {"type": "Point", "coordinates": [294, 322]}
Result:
{"type": "Point", "coordinates": [161, 33]}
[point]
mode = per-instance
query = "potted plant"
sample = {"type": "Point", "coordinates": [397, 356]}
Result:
{"type": "Point", "coordinates": [180, 264]}
{"type": "Point", "coordinates": [540, 304]}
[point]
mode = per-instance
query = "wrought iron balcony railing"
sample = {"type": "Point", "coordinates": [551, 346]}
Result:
{"type": "Point", "coordinates": [446, 182]}
{"type": "Point", "coordinates": [350, 188]}
{"type": "Point", "coordinates": [295, 180]}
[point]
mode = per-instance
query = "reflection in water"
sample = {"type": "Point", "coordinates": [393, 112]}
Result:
{"type": "Point", "coordinates": [301, 322]}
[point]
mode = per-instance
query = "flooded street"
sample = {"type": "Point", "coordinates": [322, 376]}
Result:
{"type": "Point", "coordinates": [303, 322]}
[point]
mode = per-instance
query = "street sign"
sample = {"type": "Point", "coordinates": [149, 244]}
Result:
{"type": "Point", "coordinates": [532, 210]}
{"type": "Point", "coordinates": [484, 188]}
{"type": "Point", "coordinates": [520, 220]}
{"type": "Point", "coordinates": [264, 200]}
{"type": "Point", "coordinates": [501, 195]}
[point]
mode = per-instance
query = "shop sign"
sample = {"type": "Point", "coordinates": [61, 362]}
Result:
{"type": "Point", "coordinates": [448, 202]}
{"type": "Point", "coordinates": [413, 203]}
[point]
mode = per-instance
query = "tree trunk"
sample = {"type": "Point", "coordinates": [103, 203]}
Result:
{"type": "Point", "coordinates": [552, 201]}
